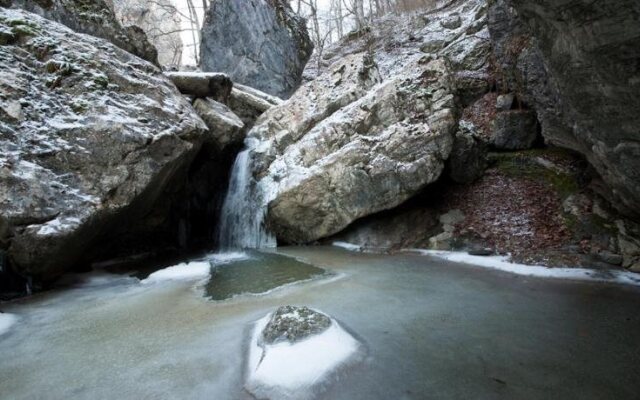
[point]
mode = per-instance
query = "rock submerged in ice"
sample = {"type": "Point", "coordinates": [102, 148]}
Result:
{"type": "Point", "coordinates": [293, 352]}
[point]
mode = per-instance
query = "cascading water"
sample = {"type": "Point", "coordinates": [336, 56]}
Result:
{"type": "Point", "coordinates": [243, 210]}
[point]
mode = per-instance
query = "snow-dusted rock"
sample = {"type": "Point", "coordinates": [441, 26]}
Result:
{"type": "Point", "coordinates": [260, 43]}
{"type": "Point", "coordinates": [341, 148]}
{"type": "Point", "coordinates": [226, 127]}
{"type": "Point", "coordinates": [90, 136]}
{"type": "Point", "coordinates": [376, 125]}
{"type": "Point", "coordinates": [249, 103]}
{"type": "Point", "coordinates": [94, 18]}
{"type": "Point", "coordinates": [283, 366]}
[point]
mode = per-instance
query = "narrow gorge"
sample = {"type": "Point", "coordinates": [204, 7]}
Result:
{"type": "Point", "coordinates": [319, 199]}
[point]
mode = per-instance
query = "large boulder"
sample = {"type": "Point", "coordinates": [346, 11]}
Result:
{"type": "Point", "coordinates": [338, 152]}
{"type": "Point", "coordinates": [90, 136]}
{"type": "Point", "coordinates": [259, 43]}
{"type": "Point", "coordinates": [576, 63]}
{"type": "Point", "coordinates": [375, 126]}
{"type": "Point", "coordinates": [95, 18]}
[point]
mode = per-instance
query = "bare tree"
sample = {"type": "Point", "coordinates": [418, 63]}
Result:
{"type": "Point", "coordinates": [160, 21]}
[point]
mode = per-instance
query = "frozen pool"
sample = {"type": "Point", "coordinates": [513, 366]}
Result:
{"type": "Point", "coordinates": [432, 330]}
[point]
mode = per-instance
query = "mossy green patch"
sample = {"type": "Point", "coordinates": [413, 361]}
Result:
{"type": "Point", "coordinates": [547, 165]}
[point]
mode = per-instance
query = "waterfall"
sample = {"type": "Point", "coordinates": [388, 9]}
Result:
{"type": "Point", "coordinates": [243, 210]}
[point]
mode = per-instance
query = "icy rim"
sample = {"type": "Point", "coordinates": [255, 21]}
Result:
{"type": "Point", "coordinates": [502, 263]}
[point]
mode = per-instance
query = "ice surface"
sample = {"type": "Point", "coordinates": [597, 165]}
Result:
{"type": "Point", "coordinates": [502, 263]}
{"type": "Point", "coordinates": [291, 371]}
{"type": "Point", "coordinates": [347, 246]}
{"type": "Point", "coordinates": [184, 271]}
{"type": "Point", "coordinates": [6, 322]}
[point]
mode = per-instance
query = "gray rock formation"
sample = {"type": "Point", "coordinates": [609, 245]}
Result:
{"type": "Point", "coordinates": [94, 18]}
{"type": "Point", "coordinates": [293, 324]}
{"type": "Point", "coordinates": [90, 137]}
{"type": "Point", "coordinates": [249, 103]}
{"type": "Point", "coordinates": [514, 130]}
{"type": "Point", "coordinates": [369, 155]}
{"type": "Point", "coordinates": [259, 43]}
{"type": "Point", "coordinates": [394, 230]}
{"type": "Point", "coordinates": [468, 158]}
{"type": "Point", "coordinates": [377, 125]}
{"type": "Point", "coordinates": [228, 127]}
{"type": "Point", "coordinates": [203, 84]}
{"type": "Point", "coordinates": [577, 64]}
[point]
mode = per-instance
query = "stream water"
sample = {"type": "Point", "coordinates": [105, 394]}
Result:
{"type": "Point", "coordinates": [432, 330]}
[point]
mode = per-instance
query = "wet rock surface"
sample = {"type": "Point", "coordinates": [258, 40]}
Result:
{"type": "Point", "coordinates": [259, 43]}
{"type": "Point", "coordinates": [293, 324]}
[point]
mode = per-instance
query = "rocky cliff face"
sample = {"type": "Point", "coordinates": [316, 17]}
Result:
{"type": "Point", "coordinates": [90, 138]}
{"type": "Point", "coordinates": [577, 64]}
{"type": "Point", "coordinates": [94, 18]}
{"type": "Point", "coordinates": [259, 43]}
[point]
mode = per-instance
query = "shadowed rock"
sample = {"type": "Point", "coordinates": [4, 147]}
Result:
{"type": "Point", "coordinates": [203, 84]}
{"type": "Point", "coordinates": [260, 43]}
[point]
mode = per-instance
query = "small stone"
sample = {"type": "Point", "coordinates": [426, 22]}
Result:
{"type": "Point", "coordinates": [610, 258]}
{"type": "Point", "coordinates": [481, 252]}
{"type": "Point", "coordinates": [504, 102]}
{"type": "Point", "coordinates": [635, 267]}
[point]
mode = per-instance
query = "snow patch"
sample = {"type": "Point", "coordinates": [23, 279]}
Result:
{"type": "Point", "coordinates": [347, 246]}
{"type": "Point", "coordinates": [6, 322]}
{"type": "Point", "coordinates": [181, 272]}
{"type": "Point", "coordinates": [502, 263]}
{"type": "Point", "coordinates": [291, 371]}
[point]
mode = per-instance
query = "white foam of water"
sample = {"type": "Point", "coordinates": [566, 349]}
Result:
{"type": "Point", "coordinates": [347, 246]}
{"type": "Point", "coordinates": [502, 263]}
{"type": "Point", "coordinates": [6, 322]}
{"type": "Point", "coordinates": [182, 272]}
{"type": "Point", "coordinates": [291, 371]}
